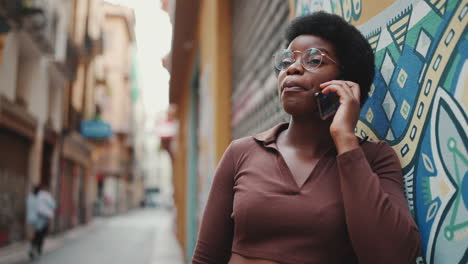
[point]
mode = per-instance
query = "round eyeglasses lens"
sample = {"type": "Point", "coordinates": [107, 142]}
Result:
{"type": "Point", "coordinates": [311, 59]}
{"type": "Point", "coordinates": [283, 59]}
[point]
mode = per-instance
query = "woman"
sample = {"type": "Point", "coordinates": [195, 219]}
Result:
{"type": "Point", "coordinates": [310, 191]}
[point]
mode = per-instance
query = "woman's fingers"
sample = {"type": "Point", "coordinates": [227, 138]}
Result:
{"type": "Point", "coordinates": [354, 88]}
{"type": "Point", "coordinates": [344, 89]}
{"type": "Point", "coordinates": [341, 89]}
{"type": "Point", "coordinates": [342, 92]}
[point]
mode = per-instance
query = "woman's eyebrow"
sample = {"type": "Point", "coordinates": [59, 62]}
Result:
{"type": "Point", "coordinates": [324, 50]}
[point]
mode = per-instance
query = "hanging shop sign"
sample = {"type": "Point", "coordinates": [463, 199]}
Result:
{"type": "Point", "coordinates": [95, 129]}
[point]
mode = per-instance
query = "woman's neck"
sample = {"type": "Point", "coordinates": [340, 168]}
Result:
{"type": "Point", "coordinates": [309, 134]}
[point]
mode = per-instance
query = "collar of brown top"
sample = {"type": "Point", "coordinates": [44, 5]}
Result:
{"type": "Point", "coordinates": [271, 134]}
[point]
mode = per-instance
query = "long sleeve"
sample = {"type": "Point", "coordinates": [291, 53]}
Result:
{"type": "Point", "coordinates": [379, 222]}
{"type": "Point", "coordinates": [216, 230]}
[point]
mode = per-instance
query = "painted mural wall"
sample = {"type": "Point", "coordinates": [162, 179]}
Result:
{"type": "Point", "coordinates": [418, 104]}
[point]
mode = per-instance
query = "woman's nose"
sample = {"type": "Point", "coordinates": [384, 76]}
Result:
{"type": "Point", "coordinates": [295, 68]}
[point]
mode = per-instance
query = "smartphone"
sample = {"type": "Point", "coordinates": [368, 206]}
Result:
{"type": "Point", "coordinates": [327, 104]}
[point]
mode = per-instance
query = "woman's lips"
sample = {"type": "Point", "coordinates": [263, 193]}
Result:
{"type": "Point", "coordinates": [294, 89]}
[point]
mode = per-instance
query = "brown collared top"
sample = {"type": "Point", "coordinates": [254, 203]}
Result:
{"type": "Point", "coordinates": [351, 208]}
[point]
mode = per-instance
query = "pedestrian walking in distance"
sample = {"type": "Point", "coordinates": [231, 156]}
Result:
{"type": "Point", "coordinates": [31, 216]}
{"type": "Point", "coordinates": [41, 206]}
{"type": "Point", "coordinates": [309, 191]}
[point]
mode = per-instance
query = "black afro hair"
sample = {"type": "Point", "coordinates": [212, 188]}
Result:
{"type": "Point", "coordinates": [354, 52]}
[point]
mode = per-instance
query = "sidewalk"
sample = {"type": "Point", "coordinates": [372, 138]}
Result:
{"type": "Point", "coordinates": [18, 252]}
{"type": "Point", "coordinates": [166, 247]}
{"type": "Point", "coordinates": [150, 233]}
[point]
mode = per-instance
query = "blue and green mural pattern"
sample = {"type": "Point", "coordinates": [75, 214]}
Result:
{"type": "Point", "coordinates": [418, 104]}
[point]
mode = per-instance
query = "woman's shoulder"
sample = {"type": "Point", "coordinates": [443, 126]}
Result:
{"type": "Point", "coordinates": [243, 143]}
{"type": "Point", "coordinates": [260, 138]}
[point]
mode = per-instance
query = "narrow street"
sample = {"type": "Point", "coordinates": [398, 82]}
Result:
{"type": "Point", "coordinates": [142, 236]}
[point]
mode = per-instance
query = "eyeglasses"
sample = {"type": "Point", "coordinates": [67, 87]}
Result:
{"type": "Point", "coordinates": [311, 59]}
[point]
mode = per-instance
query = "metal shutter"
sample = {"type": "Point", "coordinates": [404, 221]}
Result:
{"type": "Point", "coordinates": [258, 31]}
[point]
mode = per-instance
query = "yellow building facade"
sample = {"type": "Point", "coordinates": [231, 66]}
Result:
{"type": "Point", "coordinates": [200, 87]}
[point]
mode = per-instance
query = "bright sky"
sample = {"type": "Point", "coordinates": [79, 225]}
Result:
{"type": "Point", "coordinates": [153, 34]}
